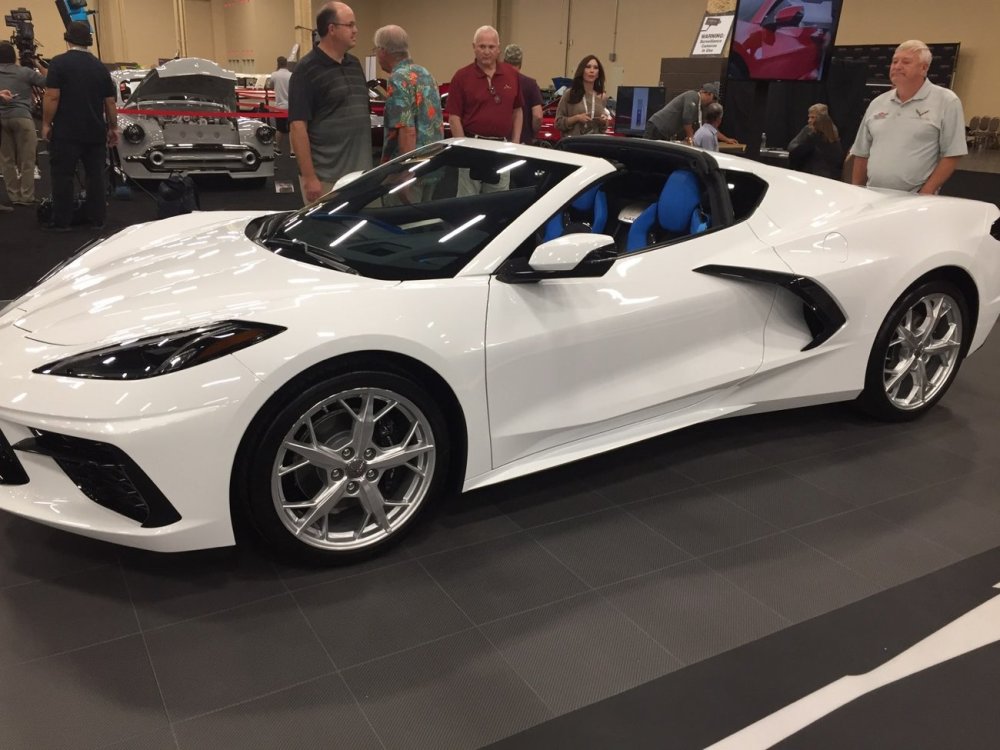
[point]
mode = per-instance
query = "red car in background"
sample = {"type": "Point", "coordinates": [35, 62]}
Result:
{"type": "Point", "coordinates": [783, 40]}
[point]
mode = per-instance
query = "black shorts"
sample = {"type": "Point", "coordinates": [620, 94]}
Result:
{"type": "Point", "coordinates": [281, 123]}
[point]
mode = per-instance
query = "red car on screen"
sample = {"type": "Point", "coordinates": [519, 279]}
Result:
{"type": "Point", "coordinates": [781, 40]}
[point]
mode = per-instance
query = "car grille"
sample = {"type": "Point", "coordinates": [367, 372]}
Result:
{"type": "Point", "coordinates": [106, 475]}
{"type": "Point", "coordinates": [11, 471]}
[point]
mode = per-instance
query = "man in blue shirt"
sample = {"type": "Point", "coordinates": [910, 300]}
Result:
{"type": "Point", "coordinates": [707, 136]}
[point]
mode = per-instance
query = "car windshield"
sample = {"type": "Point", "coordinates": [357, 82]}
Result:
{"type": "Point", "coordinates": [423, 216]}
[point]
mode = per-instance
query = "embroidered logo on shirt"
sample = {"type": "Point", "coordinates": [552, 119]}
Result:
{"type": "Point", "coordinates": [921, 114]}
{"type": "Point", "coordinates": [881, 116]}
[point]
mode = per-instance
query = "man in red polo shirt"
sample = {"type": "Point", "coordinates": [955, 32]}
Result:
{"type": "Point", "coordinates": [484, 101]}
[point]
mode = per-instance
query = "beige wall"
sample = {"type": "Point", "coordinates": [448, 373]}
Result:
{"type": "Point", "coordinates": [199, 29]}
{"type": "Point", "coordinates": [555, 34]}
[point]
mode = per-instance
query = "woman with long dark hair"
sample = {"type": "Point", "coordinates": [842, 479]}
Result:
{"type": "Point", "coordinates": [820, 153]}
{"type": "Point", "coordinates": [581, 109]}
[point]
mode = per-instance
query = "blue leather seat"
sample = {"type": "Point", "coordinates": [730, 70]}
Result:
{"type": "Point", "coordinates": [590, 208]}
{"type": "Point", "coordinates": [677, 213]}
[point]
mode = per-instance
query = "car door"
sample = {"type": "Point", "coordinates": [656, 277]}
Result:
{"type": "Point", "coordinates": [567, 359]}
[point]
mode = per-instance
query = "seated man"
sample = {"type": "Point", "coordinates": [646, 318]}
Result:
{"type": "Point", "coordinates": [707, 136]}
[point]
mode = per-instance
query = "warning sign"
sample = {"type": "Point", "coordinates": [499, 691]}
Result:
{"type": "Point", "coordinates": [713, 35]}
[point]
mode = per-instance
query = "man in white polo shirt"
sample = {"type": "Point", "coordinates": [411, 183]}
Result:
{"type": "Point", "coordinates": [912, 137]}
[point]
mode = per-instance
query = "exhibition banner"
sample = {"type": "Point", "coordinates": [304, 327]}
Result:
{"type": "Point", "coordinates": [715, 29]}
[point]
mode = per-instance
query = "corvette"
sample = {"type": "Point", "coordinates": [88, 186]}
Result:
{"type": "Point", "coordinates": [465, 314]}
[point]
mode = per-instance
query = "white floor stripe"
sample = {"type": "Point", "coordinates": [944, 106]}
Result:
{"type": "Point", "coordinates": [975, 629]}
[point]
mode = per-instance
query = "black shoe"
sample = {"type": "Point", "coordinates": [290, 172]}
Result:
{"type": "Point", "coordinates": [32, 202]}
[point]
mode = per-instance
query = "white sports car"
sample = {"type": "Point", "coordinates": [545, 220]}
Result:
{"type": "Point", "coordinates": [192, 127]}
{"type": "Point", "coordinates": [465, 314]}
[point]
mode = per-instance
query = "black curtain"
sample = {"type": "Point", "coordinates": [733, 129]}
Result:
{"type": "Point", "coordinates": [788, 103]}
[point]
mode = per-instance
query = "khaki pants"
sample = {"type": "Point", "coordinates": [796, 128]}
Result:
{"type": "Point", "coordinates": [327, 187]}
{"type": "Point", "coordinates": [17, 158]}
{"type": "Point", "coordinates": [469, 186]}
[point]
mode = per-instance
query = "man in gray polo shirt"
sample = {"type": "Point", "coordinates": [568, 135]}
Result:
{"type": "Point", "coordinates": [328, 106]}
{"type": "Point", "coordinates": [682, 115]}
{"type": "Point", "coordinates": [912, 137]}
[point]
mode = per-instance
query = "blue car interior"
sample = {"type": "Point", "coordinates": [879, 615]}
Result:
{"type": "Point", "coordinates": [677, 213]}
{"type": "Point", "coordinates": [589, 208]}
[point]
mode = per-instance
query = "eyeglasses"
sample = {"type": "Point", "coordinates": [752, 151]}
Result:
{"type": "Point", "coordinates": [493, 92]}
{"type": "Point", "coordinates": [351, 25]}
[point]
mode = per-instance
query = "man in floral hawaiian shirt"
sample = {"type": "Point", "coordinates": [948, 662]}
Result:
{"type": "Point", "coordinates": [412, 106]}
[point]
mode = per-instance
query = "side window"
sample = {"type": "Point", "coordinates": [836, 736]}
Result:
{"type": "Point", "coordinates": [745, 193]}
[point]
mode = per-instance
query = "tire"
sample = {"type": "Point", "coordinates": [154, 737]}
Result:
{"type": "Point", "coordinates": [917, 353]}
{"type": "Point", "coordinates": [342, 470]}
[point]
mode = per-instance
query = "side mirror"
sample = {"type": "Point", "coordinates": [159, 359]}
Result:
{"type": "Point", "coordinates": [565, 253]}
{"type": "Point", "coordinates": [787, 17]}
{"type": "Point", "coordinates": [569, 257]}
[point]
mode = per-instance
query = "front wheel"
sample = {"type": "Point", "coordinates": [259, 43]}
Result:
{"type": "Point", "coordinates": [917, 352]}
{"type": "Point", "coordinates": [340, 471]}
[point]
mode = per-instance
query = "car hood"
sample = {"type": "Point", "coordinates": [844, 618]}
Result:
{"type": "Point", "coordinates": [188, 78]}
{"type": "Point", "coordinates": [171, 275]}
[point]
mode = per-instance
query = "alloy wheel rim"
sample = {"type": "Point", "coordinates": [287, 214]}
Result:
{"type": "Point", "coordinates": [353, 469]}
{"type": "Point", "coordinates": [923, 352]}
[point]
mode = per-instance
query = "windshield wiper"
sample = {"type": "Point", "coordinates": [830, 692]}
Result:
{"type": "Point", "coordinates": [321, 254]}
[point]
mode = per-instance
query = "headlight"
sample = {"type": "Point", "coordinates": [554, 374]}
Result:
{"type": "Point", "coordinates": [133, 133]}
{"type": "Point", "coordinates": [159, 355]}
{"type": "Point", "coordinates": [265, 134]}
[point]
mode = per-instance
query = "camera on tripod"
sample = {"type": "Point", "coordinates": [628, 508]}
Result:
{"type": "Point", "coordinates": [23, 37]}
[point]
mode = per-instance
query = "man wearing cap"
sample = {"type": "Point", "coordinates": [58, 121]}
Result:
{"type": "Point", "coordinates": [682, 115]}
{"type": "Point", "coordinates": [80, 121]}
{"type": "Point", "coordinates": [911, 137]}
{"type": "Point", "coordinates": [531, 95]}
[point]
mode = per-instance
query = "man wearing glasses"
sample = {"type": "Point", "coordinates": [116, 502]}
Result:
{"type": "Point", "coordinates": [484, 101]}
{"type": "Point", "coordinates": [328, 117]}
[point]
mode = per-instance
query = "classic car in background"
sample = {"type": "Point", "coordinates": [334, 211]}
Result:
{"type": "Point", "coordinates": [252, 93]}
{"type": "Point", "coordinates": [125, 83]}
{"type": "Point", "coordinates": [194, 129]}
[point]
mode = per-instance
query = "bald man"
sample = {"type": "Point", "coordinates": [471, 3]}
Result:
{"type": "Point", "coordinates": [328, 119]}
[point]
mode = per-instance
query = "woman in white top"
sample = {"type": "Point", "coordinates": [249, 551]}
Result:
{"type": "Point", "coordinates": [581, 109]}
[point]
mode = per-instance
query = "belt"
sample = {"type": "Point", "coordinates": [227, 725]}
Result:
{"type": "Point", "coordinates": [489, 137]}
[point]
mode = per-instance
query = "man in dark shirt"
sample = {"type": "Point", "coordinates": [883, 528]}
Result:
{"type": "Point", "coordinates": [80, 121]}
{"type": "Point", "coordinates": [531, 95]}
{"type": "Point", "coordinates": [328, 115]}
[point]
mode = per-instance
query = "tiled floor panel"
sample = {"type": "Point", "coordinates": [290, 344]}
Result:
{"type": "Point", "coordinates": [510, 606]}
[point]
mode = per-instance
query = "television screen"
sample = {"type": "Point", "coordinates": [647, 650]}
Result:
{"type": "Point", "coordinates": [634, 105]}
{"type": "Point", "coordinates": [783, 40]}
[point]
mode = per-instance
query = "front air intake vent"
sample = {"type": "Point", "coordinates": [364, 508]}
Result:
{"type": "Point", "coordinates": [106, 475]}
{"type": "Point", "coordinates": [11, 471]}
{"type": "Point", "coordinates": [995, 230]}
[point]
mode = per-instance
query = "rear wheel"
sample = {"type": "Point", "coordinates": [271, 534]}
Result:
{"type": "Point", "coordinates": [344, 468]}
{"type": "Point", "coordinates": [917, 352]}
